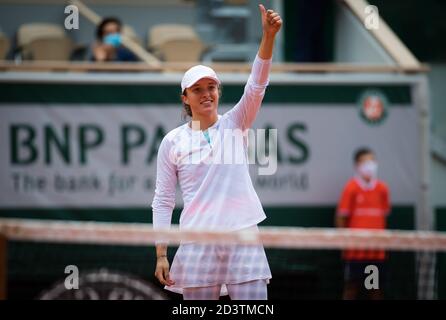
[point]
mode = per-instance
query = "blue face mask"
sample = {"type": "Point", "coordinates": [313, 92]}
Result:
{"type": "Point", "coordinates": [113, 39]}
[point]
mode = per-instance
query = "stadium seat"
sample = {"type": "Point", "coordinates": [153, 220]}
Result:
{"type": "Point", "coordinates": [4, 46]}
{"type": "Point", "coordinates": [43, 41]}
{"type": "Point", "coordinates": [176, 43]}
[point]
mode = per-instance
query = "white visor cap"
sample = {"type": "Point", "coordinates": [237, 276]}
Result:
{"type": "Point", "coordinates": [196, 73]}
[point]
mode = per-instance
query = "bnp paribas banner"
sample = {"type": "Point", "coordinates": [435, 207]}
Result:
{"type": "Point", "coordinates": [60, 151]}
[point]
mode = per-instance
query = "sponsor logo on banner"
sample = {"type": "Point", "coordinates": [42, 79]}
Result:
{"type": "Point", "coordinates": [373, 107]}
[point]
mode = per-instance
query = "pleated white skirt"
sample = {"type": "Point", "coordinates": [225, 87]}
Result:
{"type": "Point", "coordinates": [204, 265]}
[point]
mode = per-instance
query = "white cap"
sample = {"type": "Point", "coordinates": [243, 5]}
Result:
{"type": "Point", "coordinates": [196, 73]}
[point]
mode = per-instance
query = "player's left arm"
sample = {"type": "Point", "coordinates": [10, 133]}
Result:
{"type": "Point", "coordinates": [271, 24]}
{"type": "Point", "coordinates": [244, 113]}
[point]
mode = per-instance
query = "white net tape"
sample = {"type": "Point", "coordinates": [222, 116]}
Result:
{"type": "Point", "coordinates": [279, 237]}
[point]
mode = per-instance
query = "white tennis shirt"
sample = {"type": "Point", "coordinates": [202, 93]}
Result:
{"type": "Point", "coordinates": [217, 190]}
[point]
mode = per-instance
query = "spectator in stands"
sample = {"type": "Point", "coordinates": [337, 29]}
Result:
{"type": "Point", "coordinates": [365, 204]}
{"type": "Point", "coordinates": [108, 46]}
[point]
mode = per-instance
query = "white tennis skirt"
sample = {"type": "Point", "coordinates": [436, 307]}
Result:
{"type": "Point", "coordinates": [204, 265]}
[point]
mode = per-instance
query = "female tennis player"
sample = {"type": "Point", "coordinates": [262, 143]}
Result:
{"type": "Point", "coordinates": [217, 195]}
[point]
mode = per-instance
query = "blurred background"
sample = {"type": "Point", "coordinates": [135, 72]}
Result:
{"type": "Point", "coordinates": [83, 110]}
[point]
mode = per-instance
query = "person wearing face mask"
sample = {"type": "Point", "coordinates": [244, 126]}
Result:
{"type": "Point", "coordinates": [364, 204]}
{"type": "Point", "coordinates": [108, 46]}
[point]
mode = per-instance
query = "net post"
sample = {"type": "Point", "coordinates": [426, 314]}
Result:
{"type": "Point", "coordinates": [3, 265]}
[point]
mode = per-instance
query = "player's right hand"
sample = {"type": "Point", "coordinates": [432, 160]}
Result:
{"type": "Point", "coordinates": [162, 271]}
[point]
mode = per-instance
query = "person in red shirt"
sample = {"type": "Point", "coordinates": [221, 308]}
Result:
{"type": "Point", "coordinates": [364, 204]}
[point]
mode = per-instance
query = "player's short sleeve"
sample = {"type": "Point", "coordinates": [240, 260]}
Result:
{"type": "Point", "coordinates": [345, 204]}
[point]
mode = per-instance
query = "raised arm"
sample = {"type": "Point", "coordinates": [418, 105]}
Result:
{"type": "Point", "coordinates": [244, 113]}
{"type": "Point", "coordinates": [271, 24]}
